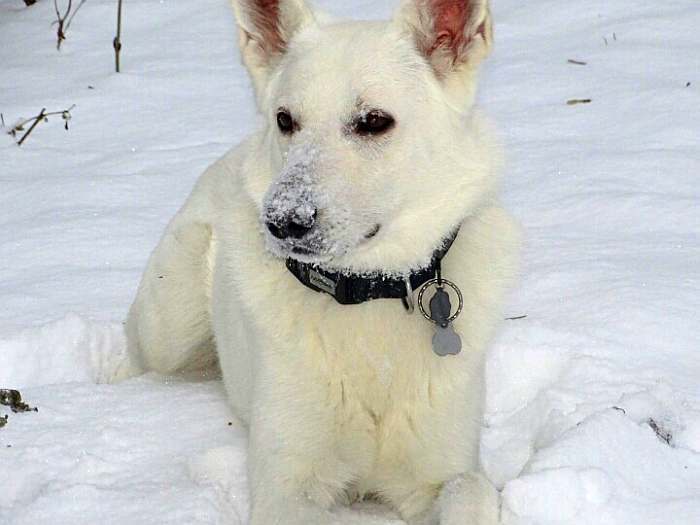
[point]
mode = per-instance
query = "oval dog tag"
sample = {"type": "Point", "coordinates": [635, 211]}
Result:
{"type": "Point", "coordinates": [440, 307]}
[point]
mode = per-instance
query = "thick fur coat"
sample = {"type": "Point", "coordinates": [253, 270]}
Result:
{"type": "Point", "coordinates": [343, 402]}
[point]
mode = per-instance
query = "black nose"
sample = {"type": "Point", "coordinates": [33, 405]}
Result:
{"type": "Point", "coordinates": [292, 227]}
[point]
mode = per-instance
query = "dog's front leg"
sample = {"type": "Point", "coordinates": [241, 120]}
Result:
{"type": "Point", "coordinates": [294, 470]}
{"type": "Point", "coordinates": [293, 487]}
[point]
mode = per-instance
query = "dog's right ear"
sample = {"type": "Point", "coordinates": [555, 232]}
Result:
{"type": "Point", "coordinates": [265, 30]}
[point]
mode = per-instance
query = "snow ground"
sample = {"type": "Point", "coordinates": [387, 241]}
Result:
{"type": "Point", "coordinates": [608, 194]}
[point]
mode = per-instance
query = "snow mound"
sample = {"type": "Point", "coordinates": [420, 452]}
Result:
{"type": "Point", "coordinates": [69, 350]}
{"type": "Point", "coordinates": [575, 438]}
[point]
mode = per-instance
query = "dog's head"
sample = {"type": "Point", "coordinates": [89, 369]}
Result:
{"type": "Point", "coordinates": [373, 152]}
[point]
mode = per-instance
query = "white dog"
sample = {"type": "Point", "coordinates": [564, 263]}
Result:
{"type": "Point", "coordinates": [370, 162]}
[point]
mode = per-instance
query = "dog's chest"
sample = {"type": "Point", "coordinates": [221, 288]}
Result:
{"type": "Point", "coordinates": [374, 355]}
{"type": "Point", "coordinates": [369, 368]}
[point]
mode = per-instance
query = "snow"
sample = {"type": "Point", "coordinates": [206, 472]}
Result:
{"type": "Point", "coordinates": [583, 393]}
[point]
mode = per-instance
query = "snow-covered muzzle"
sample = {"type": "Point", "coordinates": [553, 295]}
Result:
{"type": "Point", "coordinates": [307, 213]}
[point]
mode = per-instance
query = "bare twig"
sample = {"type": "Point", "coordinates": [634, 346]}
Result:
{"type": "Point", "coordinates": [516, 318]}
{"type": "Point", "coordinates": [117, 42]}
{"type": "Point", "coordinates": [42, 116]}
{"type": "Point", "coordinates": [72, 15]}
{"type": "Point", "coordinates": [575, 101]}
{"type": "Point", "coordinates": [576, 62]}
{"type": "Point", "coordinates": [20, 125]}
{"type": "Point", "coordinates": [61, 20]}
{"type": "Point", "coordinates": [2, 120]}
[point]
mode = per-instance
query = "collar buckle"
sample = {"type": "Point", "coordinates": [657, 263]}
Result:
{"type": "Point", "coordinates": [322, 282]}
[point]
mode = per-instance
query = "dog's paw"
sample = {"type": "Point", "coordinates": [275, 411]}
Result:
{"type": "Point", "coordinates": [469, 499]}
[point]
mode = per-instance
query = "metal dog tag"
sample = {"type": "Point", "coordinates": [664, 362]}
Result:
{"type": "Point", "coordinates": [440, 307]}
{"type": "Point", "coordinates": [445, 340]}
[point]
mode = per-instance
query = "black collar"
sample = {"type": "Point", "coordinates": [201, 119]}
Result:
{"type": "Point", "coordinates": [358, 288]}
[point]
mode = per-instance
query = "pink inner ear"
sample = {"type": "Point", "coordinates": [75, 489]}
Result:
{"type": "Point", "coordinates": [265, 15]}
{"type": "Point", "coordinates": [450, 20]}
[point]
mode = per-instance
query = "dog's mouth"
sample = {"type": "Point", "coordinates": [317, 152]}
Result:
{"type": "Point", "coordinates": [300, 250]}
{"type": "Point", "coordinates": [315, 248]}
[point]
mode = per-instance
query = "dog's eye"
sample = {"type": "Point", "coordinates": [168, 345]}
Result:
{"type": "Point", "coordinates": [374, 123]}
{"type": "Point", "coordinates": [285, 122]}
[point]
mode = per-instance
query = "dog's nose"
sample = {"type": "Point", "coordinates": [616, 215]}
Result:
{"type": "Point", "coordinates": [291, 227]}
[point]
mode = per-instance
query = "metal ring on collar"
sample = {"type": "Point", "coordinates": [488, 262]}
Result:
{"type": "Point", "coordinates": [443, 282]}
{"type": "Point", "coordinates": [407, 301]}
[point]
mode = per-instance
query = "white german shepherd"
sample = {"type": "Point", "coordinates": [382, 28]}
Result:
{"type": "Point", "coordinates": [370, 161]}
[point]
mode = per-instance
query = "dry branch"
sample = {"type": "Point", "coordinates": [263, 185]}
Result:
{"type": "Point", "coordinates": [117, 42]}
{"type": "Point", "coordinates": [42, 116]}
{"type": "Point", "coordinates": [69, 21]}
{"type": "Point", "coordinates": [61, 20]}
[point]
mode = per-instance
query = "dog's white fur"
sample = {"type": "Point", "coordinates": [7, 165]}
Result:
{"type": "Point", "coordinates": [344, 401]}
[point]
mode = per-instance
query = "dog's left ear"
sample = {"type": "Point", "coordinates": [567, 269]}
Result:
{"type": "Point", "coordinates": [452, 35]}
{"type": "Point", "coordinates": [266, 28]}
